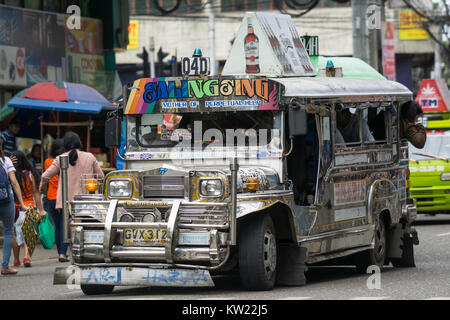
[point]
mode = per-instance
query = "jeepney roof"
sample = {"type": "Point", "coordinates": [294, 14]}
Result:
{"type": "Point", "coordinates": [341, 87]}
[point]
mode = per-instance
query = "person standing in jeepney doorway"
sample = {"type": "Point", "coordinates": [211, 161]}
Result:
{"type": "Point", "coordinates": [348, 124]}
{"type": "Point", "coordinates": [411, 129]}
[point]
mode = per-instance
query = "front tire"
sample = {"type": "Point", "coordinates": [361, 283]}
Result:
{"type": "Point", "coordinates": [377, 255]}
{"type": "Point", "coordinates": [257, 253]}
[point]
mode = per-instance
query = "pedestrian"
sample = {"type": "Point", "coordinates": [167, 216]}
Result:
{"type": "Point", "coordinates": [8, 180]}
{"type": "Point", "coordinates": [79, 163]}
{"type": "Point", "coordinates": [28, 180]}
{"type": "Point", "coordinates": [411, 129]}
{"type": "Point", "coordinates": [35, 156]}
{"type": "Point", "coordinates": [8, 137]}
{"type": "Point", "coordinates": [56, 149]}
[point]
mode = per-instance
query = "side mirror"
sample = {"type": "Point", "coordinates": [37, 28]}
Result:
{"type": "Point", "coordinates": [113, 128]}
{"type": "Point", "coordinates": [298, 124]}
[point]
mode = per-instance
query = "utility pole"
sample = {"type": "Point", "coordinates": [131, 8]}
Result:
{"type": "Point", "coordinates": [437, 54]}
{"type": "Point", "coordinates": [152, 57]}
{"type": "Point", "coordinates": [209, 6]}
{"type": "Point", "coordinates": [360, 30]}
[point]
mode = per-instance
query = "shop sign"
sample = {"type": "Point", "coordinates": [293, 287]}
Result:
{"type": "Point", "coordinates": [133, 35]}
{"type": "Point", "coordinates": [410, 26]}
{"type": "Point", "coordinates": [388, 42]}
{"type": "Point", "coordinates": [433, 96]}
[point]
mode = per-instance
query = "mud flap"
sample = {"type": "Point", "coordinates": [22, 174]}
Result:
{"type": "Point", "coordinates": [395, 242]}
{"type": "Point", "coordinates": [291, 267]}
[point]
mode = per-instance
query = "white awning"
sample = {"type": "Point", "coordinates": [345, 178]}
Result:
{"type": "Point", "coordinates": [341, 87]}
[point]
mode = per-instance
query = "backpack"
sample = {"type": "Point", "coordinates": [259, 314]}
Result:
{"type": "Point", "coordinates": [5, 185]}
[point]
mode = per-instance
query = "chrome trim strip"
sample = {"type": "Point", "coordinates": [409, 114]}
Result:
{"type": "Point", "coordinates": [110, 217]}
{"type": "Point", "coordinates": [171, 234]}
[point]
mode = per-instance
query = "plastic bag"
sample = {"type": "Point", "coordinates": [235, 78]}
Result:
{"type": "Point", "coordinates": [46, 233]}
{"type": "Point", "coordinates": [19, 233]}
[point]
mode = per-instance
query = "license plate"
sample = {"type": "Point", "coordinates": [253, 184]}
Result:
{"type": "Point", "coordinates": [93, 237]}
{"type": "Point", "coordinates": [144, 236]}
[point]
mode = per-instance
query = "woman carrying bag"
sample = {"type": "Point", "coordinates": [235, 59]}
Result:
{"type": "Point", "coordinates": [7, 211]}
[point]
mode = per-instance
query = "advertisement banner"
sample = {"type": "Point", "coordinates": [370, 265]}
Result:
{"type": "Point", "coordinates": [12, 66]}
{"type": "Point", "coordinates": [388, 42]}
{"type": "Point", "coordinates": [87, 40]}
{"type": "Point", "coordinates": [410, 26]}
{"type": "Point", "coordinates": [268, 44]}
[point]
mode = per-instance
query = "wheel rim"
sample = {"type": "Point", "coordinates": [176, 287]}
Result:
{"type": "Point", "coordinates": [270, 253]}
{"type": "Point", "coordinates": [380, 241]}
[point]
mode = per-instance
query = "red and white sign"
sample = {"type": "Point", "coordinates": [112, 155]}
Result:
{"type": "Point", "coordinates": [389, 51]}
{"type": "Point", "coordinates": [13, 66]}
{"type": "Point", "coordinates": [433, 96]}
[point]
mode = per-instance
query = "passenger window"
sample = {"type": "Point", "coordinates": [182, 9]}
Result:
{"type": "Point", "coordinates": [377, 118]}
{"type": "Point", "coordinates": [348, 124]}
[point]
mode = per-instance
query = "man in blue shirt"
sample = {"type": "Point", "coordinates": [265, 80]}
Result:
{"type": "Point", "coordinates": [9, 137]}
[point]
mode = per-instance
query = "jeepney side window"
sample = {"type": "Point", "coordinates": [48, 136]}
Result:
{"type": "Point", "coordinates": [350, 125]}
{"type": "Point", "coordinates": [377, 119]}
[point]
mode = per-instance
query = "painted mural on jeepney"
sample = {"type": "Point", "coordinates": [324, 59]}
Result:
{"type": "Point", "coordinates": [209, 94]}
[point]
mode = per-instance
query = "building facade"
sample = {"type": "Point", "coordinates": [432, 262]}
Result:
{"type": "Point", "coordinates": [180, 32]}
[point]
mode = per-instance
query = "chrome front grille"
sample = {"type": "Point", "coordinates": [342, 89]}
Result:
{"type": "Point", "coordinates": [197, 215]}
{"type": "Point", "coordinates": [157, 187]}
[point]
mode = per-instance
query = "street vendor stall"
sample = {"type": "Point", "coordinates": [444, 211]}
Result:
{"type": "Point", "coordinates": [62, 97]}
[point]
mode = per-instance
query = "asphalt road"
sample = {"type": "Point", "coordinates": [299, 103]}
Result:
{"type": "Point", "coordinates": [429, 280]}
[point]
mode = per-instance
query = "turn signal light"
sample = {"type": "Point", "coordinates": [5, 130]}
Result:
{"type": "Point", "coordinates": [91, 185]}
{"type": "Point", "coordinates": [252, 184]}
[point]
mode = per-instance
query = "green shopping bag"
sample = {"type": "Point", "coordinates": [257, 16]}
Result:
{"type": "Point", "coordinates": [46, 233]}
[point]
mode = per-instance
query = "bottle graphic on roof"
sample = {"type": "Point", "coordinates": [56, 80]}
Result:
{"type": "Point", "coordinates": [251, 48]}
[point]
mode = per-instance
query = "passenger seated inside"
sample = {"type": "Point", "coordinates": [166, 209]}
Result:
{"type": "Point", "coordinates": [348, 125]}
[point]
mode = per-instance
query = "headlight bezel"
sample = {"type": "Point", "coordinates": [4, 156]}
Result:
{"type": "Point", "coordinates": [132, 188]}
{"type": "Point", "coordinates": [205, 180]}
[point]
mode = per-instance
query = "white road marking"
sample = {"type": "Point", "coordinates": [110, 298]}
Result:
{"type": "Point", "coordinates": [439, 298]}
{"type": "Point", "coordinates": [443, 234]}
{"type": "Point", "coordinates": [296, 298]}
{"type": "Point", "coordinates": [369, 298]}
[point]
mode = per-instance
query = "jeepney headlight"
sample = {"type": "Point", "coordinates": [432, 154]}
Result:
{"type": "Point", "coordinates": [211, 187]}
{"type": "Point", "coordinates": [445, 176]}
{"type": "Point", "coordinates": [120, 188]}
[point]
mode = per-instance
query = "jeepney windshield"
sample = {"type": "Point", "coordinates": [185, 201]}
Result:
{"type": "Point", "coordinates": [216, 129]}
{"type": "Point", "coordinates": [436, 147]}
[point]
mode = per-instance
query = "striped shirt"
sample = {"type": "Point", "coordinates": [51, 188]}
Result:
{"type": "Point", "coordinates": [9, 141]}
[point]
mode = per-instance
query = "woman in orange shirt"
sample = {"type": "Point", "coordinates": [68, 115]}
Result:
{"type": "Point", "coordinates": [29, 182]}
{"type": "Point", "coordinates": [56, 149]}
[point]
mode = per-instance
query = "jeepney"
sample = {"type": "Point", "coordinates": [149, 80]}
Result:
{"type": "Point", "coordinates": [244, 174]}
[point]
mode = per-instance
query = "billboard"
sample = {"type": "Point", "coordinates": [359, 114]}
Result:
{"type": "Point", "coordinates": [12, 66]}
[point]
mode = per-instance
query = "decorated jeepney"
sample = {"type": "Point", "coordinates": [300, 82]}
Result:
{"type": "Point", "coordinates": [246, 174]}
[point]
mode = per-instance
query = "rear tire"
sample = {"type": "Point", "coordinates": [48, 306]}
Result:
{"type": "Point", "coordinates": [257, 253]}
{"type": "Point", "coordinates": [95, 289]}
{"type": "Point", "coordinates": [377, 255]}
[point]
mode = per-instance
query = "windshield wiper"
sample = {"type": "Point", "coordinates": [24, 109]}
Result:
{"type": "Point", "coordinates": [431, 156]}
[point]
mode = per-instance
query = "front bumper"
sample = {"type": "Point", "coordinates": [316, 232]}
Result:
{"type": "Point", "coordinates": [195, 233]}
{"type": "Point", "coordinates": [132, 276]}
